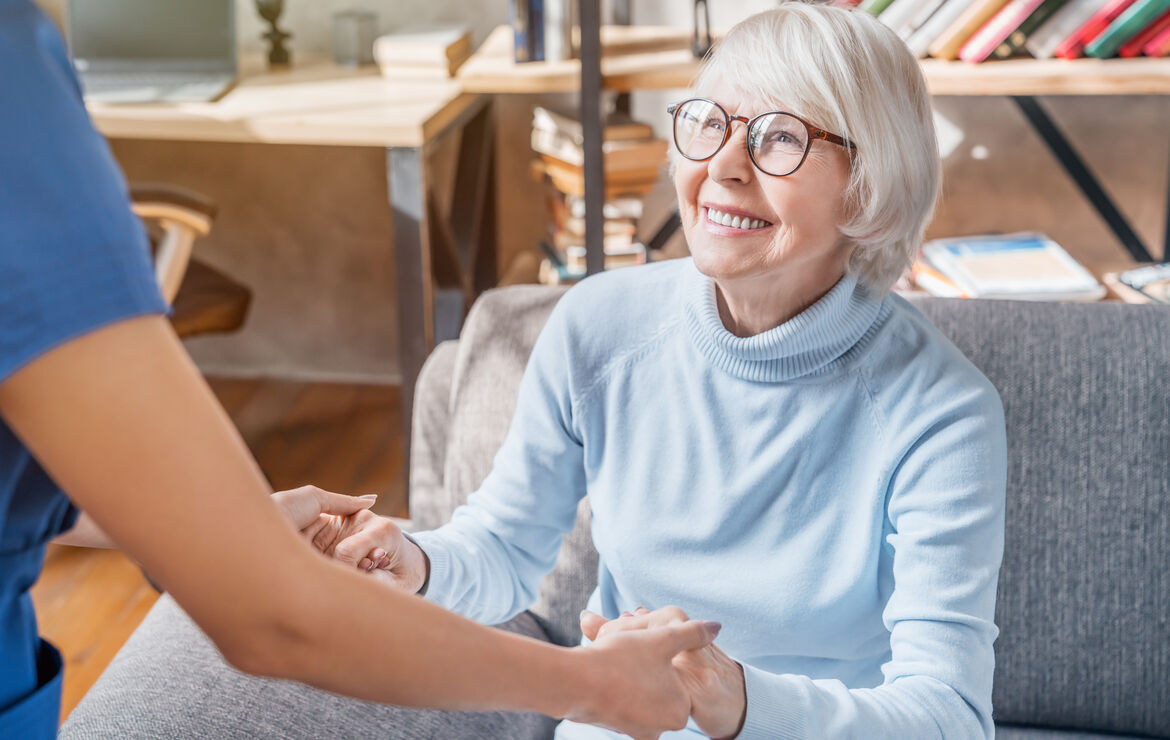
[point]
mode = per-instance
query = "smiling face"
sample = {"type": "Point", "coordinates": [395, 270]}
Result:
{"type": "Point", "coordinates": [750, 231]}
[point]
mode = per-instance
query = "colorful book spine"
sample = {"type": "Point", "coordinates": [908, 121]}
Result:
{"type": "Point", "coordinates": [518, 17]}
{"type": "Point", "coordinates": [1127, 25]}
{"type": "Point", "coordinates": [898, 15]}
{"type": "Point", "coordinates": [947, 45]}
{"type": "Point", "coordinates": [1015, 40]}
{"type": "Point", "coordinates": [920, 41]}
{"type": "Point", "coordinates": [1044, 40]}
{"type": "Point", "coordinates": [1133, 47]}
{"type": "Point", "coordinates": [992, 34]}
{"type": "Point", "coordinates": [874, 7]}
{"type": "Point", "coordinates": [1074, 46]}
{"type": "Point", "coordinates": [922, 15]}
{"type": "Point", "coordinates": [1159, 46]}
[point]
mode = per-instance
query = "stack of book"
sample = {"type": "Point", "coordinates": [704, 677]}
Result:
{"type": "Point", "coordinates": [977, 30]}
{"type": "Point", "coordinates": [423, 52]}
{"type": "Point", "coordinates": [1026, 266]}
{"type": "Point", "coordinates": [633, 160]}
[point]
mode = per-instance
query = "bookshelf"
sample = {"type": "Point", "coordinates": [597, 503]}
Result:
{"type": "Point", "coordinates": [654, 57]}
{"type": "Point", "coordinates": [627, 58]}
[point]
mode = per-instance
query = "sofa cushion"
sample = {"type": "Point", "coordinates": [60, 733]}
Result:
{"type": "Point", "coordinates": [1084, 592]}
{"type": "Point", "coordinates": [169, 681]}
{"type": "Point", "coordinates": [1018, 732]}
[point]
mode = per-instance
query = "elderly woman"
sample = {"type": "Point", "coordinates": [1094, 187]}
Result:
{"type": "Point", "coordinates": [768, 437]}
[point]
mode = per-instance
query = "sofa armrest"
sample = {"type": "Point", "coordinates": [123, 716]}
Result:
{"type": "Point", "coordinates": [429, 507]}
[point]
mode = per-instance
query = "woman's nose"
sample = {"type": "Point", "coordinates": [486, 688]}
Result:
{"type": "Point", "coordinates": [732, 162]}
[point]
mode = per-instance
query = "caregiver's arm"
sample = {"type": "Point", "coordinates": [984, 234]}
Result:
{"type": "Point", "coordinates": [946, 509]}
{"type": "Point", "coordinates": [121, 419]}
{"type": "Point", "coordinates": [301, 505]}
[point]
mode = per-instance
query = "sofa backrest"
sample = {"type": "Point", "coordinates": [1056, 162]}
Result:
{"type": "Point", "coordinates": [1084, 591]}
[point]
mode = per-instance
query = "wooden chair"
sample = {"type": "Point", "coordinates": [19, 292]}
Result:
{"type": "Point", "coordinates": [204, 299]}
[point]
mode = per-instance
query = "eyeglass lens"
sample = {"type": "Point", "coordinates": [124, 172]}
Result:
{"type": "Point", "coordinates": [777, 141]}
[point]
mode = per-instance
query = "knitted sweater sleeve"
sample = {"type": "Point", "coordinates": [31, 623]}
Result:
{"type": "Point", "coordinates": [946, 516]}
{"type": "Point", "coordinates": [487, 562]}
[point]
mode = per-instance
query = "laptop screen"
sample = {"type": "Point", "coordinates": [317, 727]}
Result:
{"type": "Point", "coordinates": [162, 31]}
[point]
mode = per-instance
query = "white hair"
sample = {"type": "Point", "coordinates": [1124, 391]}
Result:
{"type": "Point", "coordinates": [844, 71]}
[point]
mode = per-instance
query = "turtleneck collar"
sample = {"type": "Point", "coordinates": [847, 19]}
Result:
{"type": "Point", "coordinates": [808, 343]}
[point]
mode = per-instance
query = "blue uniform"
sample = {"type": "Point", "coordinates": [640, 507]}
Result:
{"type": "Point", "coordinates": [73, 258]}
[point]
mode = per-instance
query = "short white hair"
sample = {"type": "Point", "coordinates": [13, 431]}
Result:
{"type": "Point", "coordinates": [844, 71]}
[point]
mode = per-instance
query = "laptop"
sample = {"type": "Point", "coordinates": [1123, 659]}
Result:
{"type": "Point", "coordinates": [139, 51]}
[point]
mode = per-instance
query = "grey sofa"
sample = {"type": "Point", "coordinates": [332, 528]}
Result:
{"type": "Point", "coordinates": [1084, 592]}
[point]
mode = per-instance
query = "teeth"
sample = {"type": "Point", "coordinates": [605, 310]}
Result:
{"type": "Point", "coordinates": [735, 222]}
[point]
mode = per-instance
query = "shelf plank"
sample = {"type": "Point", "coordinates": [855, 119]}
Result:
{"type": "Point", "coordinates": [655, 57]}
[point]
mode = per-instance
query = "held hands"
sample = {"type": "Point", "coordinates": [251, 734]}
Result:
{"type": "Point", "coordinates": [370, 543]}
{"type": "Point", "coordinates": [633, 687]}
{"type": "Point", "coordinates": [714, 681]}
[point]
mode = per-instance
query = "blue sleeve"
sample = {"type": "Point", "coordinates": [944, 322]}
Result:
{"type": "Point", "coordinates": [487, 562]}
{"type": "Point", "coordinates": [946, 510]}
{"type": "Point", "coordinates": [73, 256]}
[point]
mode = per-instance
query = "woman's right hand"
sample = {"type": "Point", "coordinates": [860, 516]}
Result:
{"type": "Point", "coordinates": [371, 543]}
{"type": "Point", "coordinates": [634, 687]}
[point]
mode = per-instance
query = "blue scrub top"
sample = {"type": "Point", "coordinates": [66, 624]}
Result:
{"type": "Point", "coordinates": [73, 258]}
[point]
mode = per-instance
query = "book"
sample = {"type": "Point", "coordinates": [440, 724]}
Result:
{"type": "Point", "coordinates": [618, 126]}
{"type": "Point", "coordinates": [630, 255]}
{"type": "Point", "coordinates": [874, 7]}
{"type": "Point", "coordinates": [1074, 46]}
{"type": "Point", "coordinates": [1159, 46]}
{"type": "Point", "coordinates": [1152, 281]}
{"type": "Point", "coordinates": [570, 180]}
{"type": "Point", "coordinates": [1022, 266]}
{"type": "Point", "coordinates": [897, 17]}
{"type": "Point", "coordinates": [618, 156]}
{"type": "Point", "coordinates": [1014, 43]}
{"type": "Point", "coordinates": [521, 31]}
{"type": "Point", "coordinates": [1127, 25]}
{"type": "Point", "coordinates": [1043, 41]}
{"type": "Point", "coordinates": [997, 29]}
{"type": "Point", "coordinates": [920, 41]}
{"type": "Point", "coordinates": [566, 241]}
{"type": "Point", "coordinates": [947, 45]}
{"type": "Point", "coordinates": [435, 46]}
{"type": "Point", "coordinates": [1133, 47]}
{"type": "Point", "coordinates": [620, 208]}
{"type": "Point", "coordinates": [934, 282]}
{"type": "Point", "coordinates": [925, 12]}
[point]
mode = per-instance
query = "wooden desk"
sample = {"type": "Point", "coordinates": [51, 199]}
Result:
{"type": "Point", "coordinates": [648, 57]}
{"type": "Point", "coordinates": [440, 265]}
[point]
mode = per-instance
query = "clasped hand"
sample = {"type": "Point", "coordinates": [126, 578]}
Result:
{"type": "Point", "coordinates": [712, 681]}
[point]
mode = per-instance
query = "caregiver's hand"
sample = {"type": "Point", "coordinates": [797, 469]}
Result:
{"type": "Point", "coordinates": [639, 692]}
{"type": "Point", "coordinates": [371, 543]}
{"type": "Point", "coordinates": [305, 505]}
{"type": "Point", "coordinates": [714, 681]}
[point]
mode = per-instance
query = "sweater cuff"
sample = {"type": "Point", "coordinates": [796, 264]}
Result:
{"type": "Point", "coordinates": [438, 577]}
{"type": "Point", "coordinates": [773, 707]}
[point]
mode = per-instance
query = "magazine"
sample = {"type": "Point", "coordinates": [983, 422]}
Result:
{"type": "Point", "coordinates": [1152, 281]}
{"type": "Point", "coordinates": [1026, 266]}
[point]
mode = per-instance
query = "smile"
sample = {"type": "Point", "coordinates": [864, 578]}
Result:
{"type": "Point", "coordinates": [744, 223]}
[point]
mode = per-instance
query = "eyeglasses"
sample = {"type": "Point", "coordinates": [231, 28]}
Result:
{"type": "Point", "coordinates": [777, 142]}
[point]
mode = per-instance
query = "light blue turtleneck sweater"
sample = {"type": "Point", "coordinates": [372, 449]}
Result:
{"type": "Point", "coordinates": [831, 490]}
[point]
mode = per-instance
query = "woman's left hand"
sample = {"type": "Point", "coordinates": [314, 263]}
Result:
{"type": "Point", "coordinates": [714, 680]}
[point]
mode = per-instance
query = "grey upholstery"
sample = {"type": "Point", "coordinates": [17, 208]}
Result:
{"type": "Point", "coordinates": [169, 682]}
{"type": "Point", "coordinates": [1085, 587]}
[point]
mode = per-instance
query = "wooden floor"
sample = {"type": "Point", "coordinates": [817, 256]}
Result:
{"type": "Point", "coordinates": [341, 437]}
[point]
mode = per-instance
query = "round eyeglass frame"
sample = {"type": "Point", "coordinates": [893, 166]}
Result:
{"type": "Point", "coordinates": [813, 133]}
